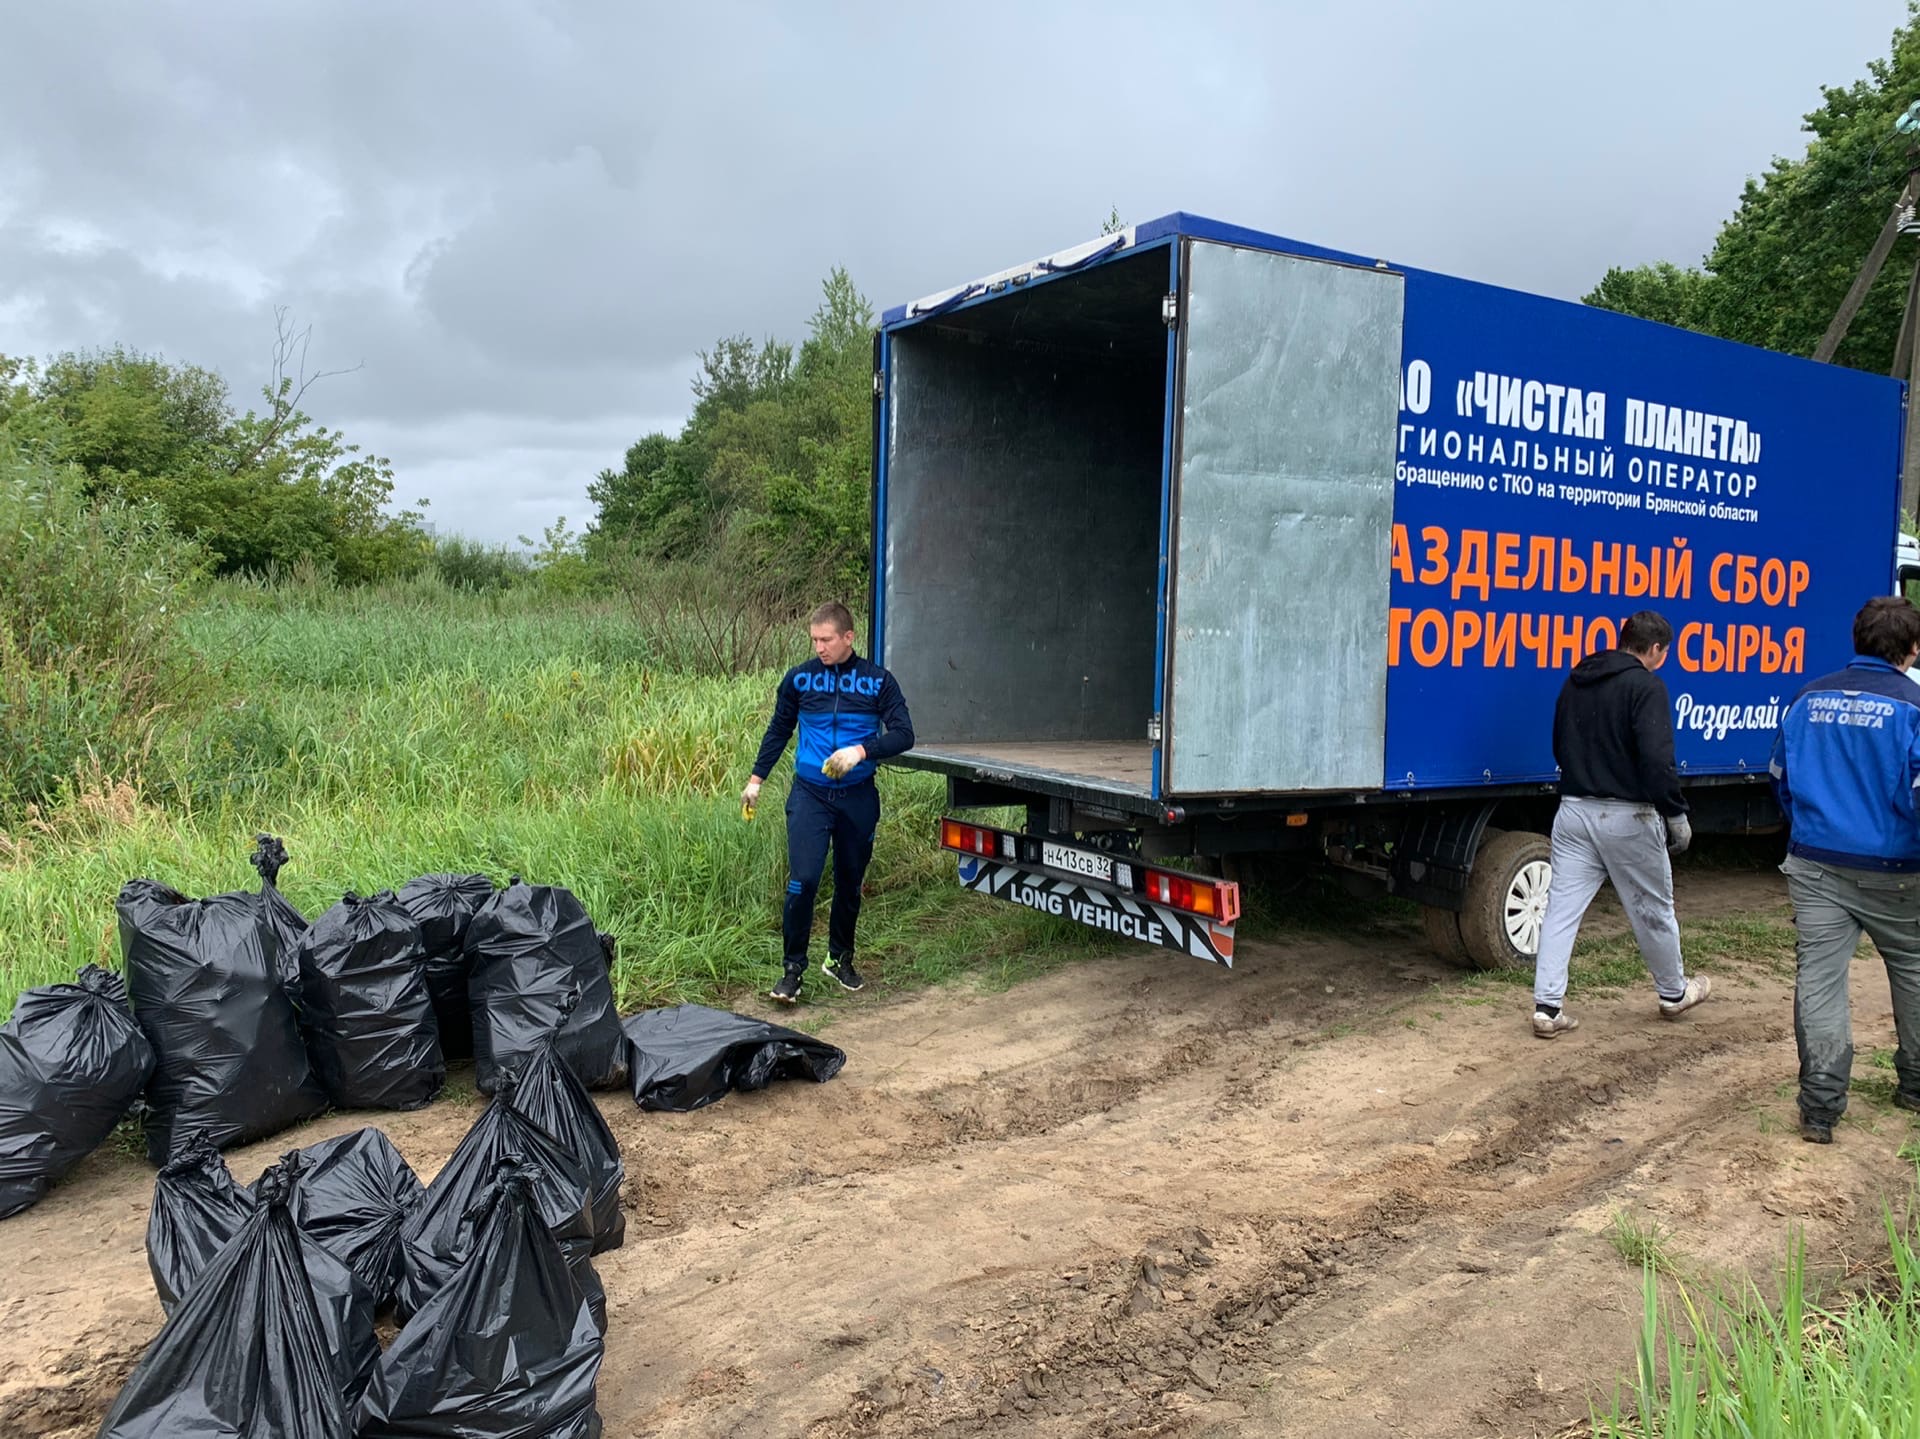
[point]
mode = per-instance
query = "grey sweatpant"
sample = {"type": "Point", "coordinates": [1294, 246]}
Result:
{"type": "Point", "coordinates": [1831, 906]}
{"type": "Point", "coordinates": [1595, 840]}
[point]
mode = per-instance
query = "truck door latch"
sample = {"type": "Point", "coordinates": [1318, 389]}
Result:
{"type": "Point", "coordinates": [1170, 310]}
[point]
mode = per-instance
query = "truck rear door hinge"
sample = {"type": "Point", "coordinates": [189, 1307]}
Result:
{"type": "Point", "coordinates": [1153, 729]}
{"type": "Point", "coordinates": [1170, 309]}
{"type": "Point", "coordinates": [876, 384]}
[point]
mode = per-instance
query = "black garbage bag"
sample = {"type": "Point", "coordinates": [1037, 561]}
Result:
{"type": "Point", "coordinates": [433, 1241]}
{"type": "Point", "coordinates": [367, 1018]}
{"type": "Point", "coordinates": [72, 1061]}
{"type": "Point", "coordinates": [197, 1212]}
{"type": "Point", "coordinates": [228, 1057]}
{"type": "Point", "coordinates": [355, 1192]}
{"type": "Point", "coordinates": [247, 1355]}
{"type": "Point", "coordinates": [443, 905]}
{"type": "Point", "coordinates": [284, 921]}
{"type": "Point", "coordinates": [687, 1057]}
{"type": "Point", "coordinates": [508, 1350]}
{"type": "Point", "coordinates": [197, 1209]}
{"type": "Point", "coordinates": [533, 948]}
{"type": "Point", "coordinates": [552, 1097]}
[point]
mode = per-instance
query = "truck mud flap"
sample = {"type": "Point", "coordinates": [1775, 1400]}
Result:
{"type": "Point", "coordinates": [1095, 908]}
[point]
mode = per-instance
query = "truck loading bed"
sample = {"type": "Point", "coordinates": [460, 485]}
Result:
{"type": "Point", "coordinates": [1120, 767]}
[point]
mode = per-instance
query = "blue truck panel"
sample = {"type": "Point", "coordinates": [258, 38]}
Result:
{"type": "Point", "coordinates": [1750, 497]}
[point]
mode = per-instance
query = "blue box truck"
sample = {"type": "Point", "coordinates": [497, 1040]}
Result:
{"type": "Point", "coordinates": [1197, 542]}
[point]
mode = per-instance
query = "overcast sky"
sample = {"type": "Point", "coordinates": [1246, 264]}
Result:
{"type": "Point", "coordinates": [522, 218]}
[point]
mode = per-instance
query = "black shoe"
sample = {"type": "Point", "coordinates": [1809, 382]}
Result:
{"type": "Point", "coordinates": [1903, 1100]}
{"type": "Point", "coordinates": [787, 991]}
{"type": "Point", "coordinates": [1814, 1132]}
{"type": "Point", "coordinates": [840, 967]}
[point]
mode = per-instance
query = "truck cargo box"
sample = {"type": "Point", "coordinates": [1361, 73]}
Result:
{"type": "Point", "coordinates": [1197, 512]}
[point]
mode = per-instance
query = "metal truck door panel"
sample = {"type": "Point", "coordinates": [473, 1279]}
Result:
{"type": "Point", "coordinates": [1283, 506]}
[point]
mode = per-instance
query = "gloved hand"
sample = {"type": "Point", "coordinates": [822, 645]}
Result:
{"type": "Point", "coordinates": [842, 760]}
{"type": "Point", "coordinates": [750, 796]}
{"type": "Point", "coordinates": [1679, 834]}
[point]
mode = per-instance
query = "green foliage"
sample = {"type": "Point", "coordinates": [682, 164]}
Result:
{"type": "Point", "coordinates": [87, 615]}
{"type": "Point", "coordinates": [770, 479]}
{"type": "Point", "coordinates": [404, 728]}
{"type": "Point", "coordinates": [1662, 292]}
{"type": "Point", "coordinates": [1782, 264]}
{"type": "Point", "coordinates": [469, 565]}
{"type": "Point", "coordinates": [560, 565]}
{"type": "Point", "coordinates": [268, 489]}
{"type": "Point", "coordinates": [1735, 1366]}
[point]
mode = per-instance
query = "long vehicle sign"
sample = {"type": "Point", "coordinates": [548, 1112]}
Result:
{"type": "Point", "coordinates": [1194, 914]}
{"type": "Point", "coordinates": [1114, 913]}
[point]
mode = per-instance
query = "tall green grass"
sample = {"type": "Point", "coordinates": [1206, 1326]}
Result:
{"type": "Point", "coordinates": [1739, 1367]}
{"type": "Point", "coordinates": [388, 737]}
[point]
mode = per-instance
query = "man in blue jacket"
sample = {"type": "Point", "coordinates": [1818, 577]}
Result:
{"type": "Point", "coordinates": [1845, 766]}
{"type": "Point", "coordinates": [850, 714]}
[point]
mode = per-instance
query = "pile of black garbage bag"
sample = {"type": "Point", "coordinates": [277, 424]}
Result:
{"type": "Point", "coordinates": [238, 1018]}
{"type": "Point", "coordinates": [272, 1291]}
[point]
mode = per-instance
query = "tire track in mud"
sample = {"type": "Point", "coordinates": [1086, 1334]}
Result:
{"type": "Point", "coordinates": [1172, 1336]}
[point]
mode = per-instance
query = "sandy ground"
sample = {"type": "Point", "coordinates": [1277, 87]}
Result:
{"type": "Point", "coordinates": [1328, 1192]}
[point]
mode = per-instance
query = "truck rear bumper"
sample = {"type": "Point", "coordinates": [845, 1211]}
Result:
{"type": "Point", "coordinates": [1097, 906]}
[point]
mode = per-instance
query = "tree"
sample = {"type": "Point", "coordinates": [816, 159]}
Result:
{"type": "Point", "coordinates": [1662, 292]}
{"type": "Point", "coordinates": [270, 488]}
{"type": "Point", "coordinates": [1782, 263]}
{"type": "Point", "coordinates": [770, 478]}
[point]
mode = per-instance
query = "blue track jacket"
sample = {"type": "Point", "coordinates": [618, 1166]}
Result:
{"type": "Point", "coordinates": [1845, 764]}
{"type": "Point", "coordinates": [856, 702]}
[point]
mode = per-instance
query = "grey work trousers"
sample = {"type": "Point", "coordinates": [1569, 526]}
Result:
{"type": "Point", "coordinates": [1831, 905]}
{"type": "Point", "coordinates": [1595, 840]}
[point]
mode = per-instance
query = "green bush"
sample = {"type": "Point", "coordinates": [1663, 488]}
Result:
{"type": "Point", "coordinates": [477, 568]}
{"type": "Point", "coordinates": [87, 626]}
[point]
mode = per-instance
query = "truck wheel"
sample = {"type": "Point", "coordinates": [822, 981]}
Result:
{"type": "Point", "coordinates": [1506, 899]}
{"type": "Point", "coordinates": [1443, 935]}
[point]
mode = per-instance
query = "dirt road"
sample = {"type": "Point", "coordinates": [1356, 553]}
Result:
{"type": "Point", "coordinates": [1333, 1191]}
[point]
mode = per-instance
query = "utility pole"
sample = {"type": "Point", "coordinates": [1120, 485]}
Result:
{"type": "Point", "coordinates": [1906, 350]}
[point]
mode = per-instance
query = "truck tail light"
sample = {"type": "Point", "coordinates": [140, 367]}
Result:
{"type": "Point", "coordinates": [1216, 899]}
{"type": "Point", "coordinates": [967, 838]}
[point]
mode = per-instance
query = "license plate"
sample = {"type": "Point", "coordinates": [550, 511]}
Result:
{"type": "Point", "coordinates": [1077, 861]}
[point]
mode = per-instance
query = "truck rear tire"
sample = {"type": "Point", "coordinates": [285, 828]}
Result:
{"type": "Point", "coordinates": [1443, 935]}
{"type": "Point", "coordinates": [1506, 899]}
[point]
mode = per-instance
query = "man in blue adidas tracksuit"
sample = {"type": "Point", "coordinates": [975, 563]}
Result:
{"type": "Point", "coordinates": [1846, 764]}
{"type": "Point", "coordinates": [850, 714]}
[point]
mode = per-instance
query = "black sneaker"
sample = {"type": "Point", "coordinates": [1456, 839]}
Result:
{"type": "Point", "coordinates": [840, 968]}
{"type": "Point", "coordinates": [1814, 1132]}
{"type": "Point", "coordinates": [1903, 1100]}
{"type": "Point", "coordinates": [787, 991]}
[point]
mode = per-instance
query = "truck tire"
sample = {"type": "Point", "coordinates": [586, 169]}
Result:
{"type": "Point", "coordinates": [1506, 899]}
{"type": "Point", "coordinates": [1443, 935]}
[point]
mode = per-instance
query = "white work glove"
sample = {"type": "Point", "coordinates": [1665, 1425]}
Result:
{"type": "Point", "coordinates": [1679, 834]}
{"type": "Point", "coordinates": [750, 796]}
{"type": "Point", "coordinates": [842, 760]}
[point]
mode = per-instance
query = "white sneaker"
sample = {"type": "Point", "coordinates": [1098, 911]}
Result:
{"type": "Point", "coordinates": [1546, 1026]}
{"type": "Point", "coordinates": [1697, 990]}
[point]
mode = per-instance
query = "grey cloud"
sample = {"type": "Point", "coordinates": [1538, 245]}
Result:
{"type": "Point", "coordinates": [521, 219]}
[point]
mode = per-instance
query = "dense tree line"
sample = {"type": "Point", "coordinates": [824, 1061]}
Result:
{"type": "Point", "coordinates": [255, 491]}
{"type": "Point", "coordinates": [768, 481]}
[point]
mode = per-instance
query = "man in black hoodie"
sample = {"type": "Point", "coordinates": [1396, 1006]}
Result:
{"type": "Point", "coordinates": [1621, 812]}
